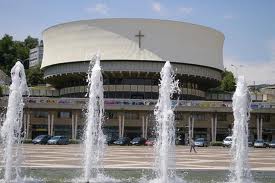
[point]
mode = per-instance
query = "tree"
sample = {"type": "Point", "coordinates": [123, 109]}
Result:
{"type": "Point", "coordinates": [35, 76]}
{"type": "Point", "coordinates": [31, 42]}
{"type": "Point", "coordinates": [7, 53]}
{"type": "Point", "coordinates": [11, 51]}
{"type": "Point", "coordinates": [228, 82]}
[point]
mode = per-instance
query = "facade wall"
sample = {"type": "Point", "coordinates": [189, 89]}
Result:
{"type": "Point", "coordinates": [136, 115]}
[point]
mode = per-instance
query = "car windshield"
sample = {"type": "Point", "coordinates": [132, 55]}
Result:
{"type": "Point", "coordinates": [200, 139]}
{"type": "Point", "coordinates": [40, 137]}
{"type": "Point", "coordinates": [259, 141]}
{"type": "Point", "coordinates": [273, 141]}
{"type": "Point", "coordinates": [55, 138]}
{"type": "Point", "coordinates": [228, 139]}
{"type": "Point", "coordinates": [121, 139]}
{"type": "Point", "coordinates": [151, 139]}
{"type": "Point", "coordinates": [136, 139]}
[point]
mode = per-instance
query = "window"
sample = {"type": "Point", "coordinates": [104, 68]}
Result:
{"type": "Point", "coordinates": [179, 116]}
{"type": "Point", "coordinates": [199, 117]}
{"type": "Point", "coordinates": [64, 114]}
{"type": "Point", "coordinates": [266, 118]}
{"type": "Point", "coordinates": [131, 115]}
{"type": "Point", "coordinates": [111, 115]}
{"type": "Point", "coordinates": [40, 114]}
{"type": "Point", "coordinates": [222, 117]}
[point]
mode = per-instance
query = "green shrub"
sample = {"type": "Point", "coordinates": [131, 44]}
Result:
{"type": "Point", "coordinates": [217, 143]}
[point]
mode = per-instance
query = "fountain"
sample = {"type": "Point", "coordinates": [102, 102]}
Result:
{"type": "Point", "coordinates": [165, 128]}
{"type": "Point", "coordinates": [240, 171]}
{"type": "Point", "coordinates": [94, 139]}
{"type": "Point", "coordinates": [11, 133]}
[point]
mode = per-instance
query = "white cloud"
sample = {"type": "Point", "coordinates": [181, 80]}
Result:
{"type": "Point", "coordinates": [156, 7]}
{"type": "Point", "coordinates": [228, 17]}
{"type": "Point", "coordinates": [99, 8]}
{"type": "Point", "coordinates": [186, 10]}
{"type": "Point", "coordinates": [262, 72]}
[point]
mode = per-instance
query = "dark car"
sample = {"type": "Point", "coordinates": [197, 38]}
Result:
{"type": "Point", "coordinates": [58, 140]}
{"type": "Point", "coordinates": [180, 140]}
{"type": "Point", "coordinates": [41, 139]}
{"type": "Point", "coordinates": [272, 144]}
{"type": "Point", "coordinates": [138, 141]}
{"type": "Point", "coordinates": [122, 141]}
{"type": "Point", "coordinates": [110, 139]}
{"type": "Point", "coordinates": [201, 142]}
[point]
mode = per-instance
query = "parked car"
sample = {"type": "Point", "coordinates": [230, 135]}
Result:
{"type": "Point", "coordinates": [41, 139]}
{"type": "Point", "coordinates": [272, 144]}
{"type": "Point", "coordinates": [227, 142]}
{"type": "Point", "coordinates": [180, 140]}
{"type": "Point", "coordinates": [58, 140]}
{"type": "Point", "coordinates": [110, 139]}
{"type": "Point", "coordinates": [250, 143]}
{"type": "Point", "coordinates": [151, 141]}
{"type": "Point", "coordinates": [201, 142]}
{"type": "Point", "coordinates": [122, 141]}
{"type": "Point", "coordinates": [260, 143]}
{"type": "Point", "coordinates": [138, 141]}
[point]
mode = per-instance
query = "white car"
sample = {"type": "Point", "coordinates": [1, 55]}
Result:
{"type": "Point", "coordinates": [227, 142]}
{"type": "Point", "coordinates": [201, 142]}
{"type": "Point", "coordinates": [260, 143]}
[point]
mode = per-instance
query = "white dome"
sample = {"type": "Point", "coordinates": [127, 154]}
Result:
{"type": "Point", "coordinates": [117, 40]}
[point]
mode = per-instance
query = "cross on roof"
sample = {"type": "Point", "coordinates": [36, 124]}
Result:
{"type": "Point", "coordinates": [139, 35]}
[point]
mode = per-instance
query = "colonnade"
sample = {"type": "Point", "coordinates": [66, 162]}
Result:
{"type": "Point", "coordinates": [191, 121]}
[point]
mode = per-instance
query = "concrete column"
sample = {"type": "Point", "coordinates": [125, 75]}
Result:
{"type": "Point", "coordinates": [123, 124]}
{"type": "Point", "coordinates": [73, 126]}
{"type": "Point", "coordinates": [119, 125]}
{"type": "Point", "coordinates": [212, 129]}
{"type": "Point", "coordinates": [261, 127]}
{"type": "Point", "coordinates": [76, 125]}
{"type": "Point", "coordinates": [28, 124]}
{"type": "Point", "coordinates": [25, 124]}
{"type": "Point", "coordinates": [215, 126]}
{"type": "Point", "coordinates": [52, 122]}
{"type": "Point", "coordinates": [143, 126]}
{"type": "Point", "coordinates": [146, 127]}
{"type": "Point", "coordinates": [258, 126]}
{"type": "Point", "coordinates": [189, 126]}
{"type": "Point", "coordinates": [192, 129]}
{"type": "Point", "coordinates": [49, 123]}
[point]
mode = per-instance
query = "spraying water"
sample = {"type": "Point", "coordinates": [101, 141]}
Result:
{"type": "Point", "coordinates": [11, 130]}
{"type": "Point", "coordinates": [94, 138]}
{"type": "Point", "coordinates": [240, 172]}
{"type": "Point", "coordinates": [165, 128]}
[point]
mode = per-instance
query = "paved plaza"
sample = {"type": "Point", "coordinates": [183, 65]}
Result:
{"type": "Point", "coordinates": [141, 157]}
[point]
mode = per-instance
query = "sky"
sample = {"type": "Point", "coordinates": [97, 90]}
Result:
{"type": "Point", "coordinates": [248, 25]}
